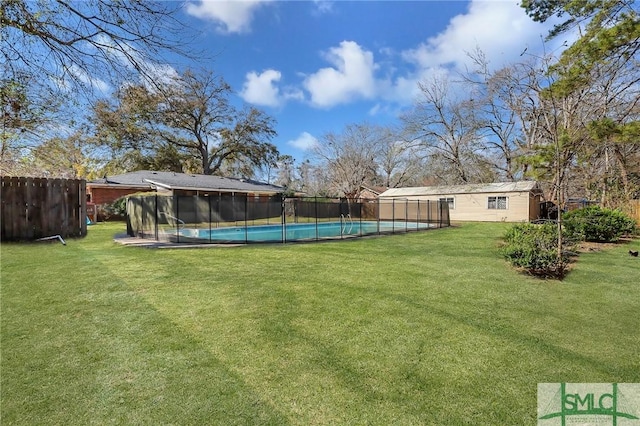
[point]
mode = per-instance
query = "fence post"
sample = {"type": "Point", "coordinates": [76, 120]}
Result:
{"type": "Point", "coordinates": [283, 218]}
{"type": "Point", "coordinates": [218, 211]}
{"type": "Point", "coordinates": [177, 212]}
{"type": "Point", "coordinates": [143, 220]}
{"type": "Point", "coordinates": [196, 222]}
{"type": "Point", "coordinates": [268, 200]}
{"type": "Point", "coordinates": [341, 218]}
{"type": "Point", "coordinates": [155, 216]}
{"type": "Point", "coordinates": [315, 209]}
{"type": "Point", "coordinates": [360, 217]}
{"type": "Point", "coordinates": [393, 216]}
{"type": "Point", "coordinates": [246, 223]}
{"type": "Point", "coordinates": [406, 215]}
{"type": "Point", "coordinates": [378, 214]}
{"type": "Point", "coordinates": [83, 207]}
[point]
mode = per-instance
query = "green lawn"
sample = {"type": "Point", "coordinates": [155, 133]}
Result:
{"type": "Point", "coordinates": [424, 328]}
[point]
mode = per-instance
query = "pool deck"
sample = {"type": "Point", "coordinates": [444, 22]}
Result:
{"type": "Point", "coordinates": [128, 241]}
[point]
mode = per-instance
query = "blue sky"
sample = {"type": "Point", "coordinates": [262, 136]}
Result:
{"type": "Point", "coordinates": [316, 66]}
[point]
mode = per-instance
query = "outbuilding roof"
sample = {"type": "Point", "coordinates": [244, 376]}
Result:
{"type": "Point", "coordinates": [498, 187]}
{"type": "Point", "coordinates": [169, 180]}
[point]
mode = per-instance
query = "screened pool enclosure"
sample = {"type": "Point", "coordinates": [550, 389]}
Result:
{"type": "Point", "coordinates": [246, 219]}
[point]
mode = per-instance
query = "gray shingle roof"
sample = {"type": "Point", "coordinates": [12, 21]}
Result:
{"type": "Point", "coordinates": [171, 180]}
{"type": "Point", "coordinates": [499, 187]}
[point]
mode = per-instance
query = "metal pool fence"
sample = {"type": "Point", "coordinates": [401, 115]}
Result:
{"type": "Point", "coordinates": [247, 219]}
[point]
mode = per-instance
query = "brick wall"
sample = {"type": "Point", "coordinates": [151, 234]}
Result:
{"type": "Point", "coordinates": [109, 195]}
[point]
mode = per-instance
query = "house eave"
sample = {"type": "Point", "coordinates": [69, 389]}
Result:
{"type": "Point", "coordinates": [117, 186]}
{"type": "Point", "coordinates": [204, 189]}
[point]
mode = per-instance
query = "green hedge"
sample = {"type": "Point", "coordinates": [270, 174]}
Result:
{"type": "Point", "coordinates": [598, 224]}
{"type": "Point", "coordinates": [117, 207]}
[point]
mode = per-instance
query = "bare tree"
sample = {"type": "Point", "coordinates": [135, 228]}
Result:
{"type": "Point", "coordinates": [502, 101]}
{"type": "Point", "coordinates": [400, 161]}
{"type": "Point", "coordinates": [444, 122]}
{"type": "Point", "coordinates": [314, 179]}
{"type": "Point", "coordinates": [285, 168]}
{"type": "Point", "coordinates": [350, 157]}
{"type": "Point", "coordinates": [80, 43]}
{"type": "Point", "coordinates": [608, 162]}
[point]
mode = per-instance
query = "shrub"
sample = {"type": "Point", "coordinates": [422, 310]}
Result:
{"type": "Point", "coordinates": [117, 209]}
{"type": "Point", "coordinates": [534, 248]}
{"type": "Point", "coordinates": [598, 224]}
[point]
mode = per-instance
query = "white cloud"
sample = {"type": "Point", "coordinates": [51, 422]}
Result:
{"type": "Point", "coordinates": [260, 89]}
{"type": "Point", "coordinates": [151, 73]}
{"type": "Point", "coordinates": [79, 75]}
{"type": "Point", "coordinates": [304, 142]}
{"type": "Point", "coordinates": [323, 6]}
{"type": "Point", "coordinates": [351, 77]}
{"type": "Point", "coordinates": [156, 75]}
{"type": "Point", "coordinates": [500, 29]}
{"type": "Point", "coordinates": [231, 16]}
{"type": "Point", "coordinates": [93, 82]}
{"type": "Point", "coordinates": [292, 93]}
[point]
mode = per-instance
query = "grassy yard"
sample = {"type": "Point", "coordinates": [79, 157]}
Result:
{"type": "Point", "coordinates": [424, 328]}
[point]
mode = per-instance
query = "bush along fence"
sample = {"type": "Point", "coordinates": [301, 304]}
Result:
{"type": "Point", "coordinates": [34, 208]}
{"type": "Point", "coordinates": [238, 218]}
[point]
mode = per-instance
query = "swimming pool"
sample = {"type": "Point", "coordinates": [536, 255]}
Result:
{"type": "Point", "coordinates": [299, 231]}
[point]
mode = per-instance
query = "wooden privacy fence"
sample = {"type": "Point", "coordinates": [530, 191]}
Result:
{"type": "Point", "coordinates": [634, 207]}
{"type": "Point", "coordinates": [35, 208]}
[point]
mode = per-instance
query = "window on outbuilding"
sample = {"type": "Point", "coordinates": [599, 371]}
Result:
{"type": "Point", "coordinates": [497, 203]}
{"type": "Point", "coordinates": [450, 201]}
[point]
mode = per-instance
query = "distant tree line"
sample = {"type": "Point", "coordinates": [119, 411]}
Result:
{"type": "Point", "coordinates": [570, 121]}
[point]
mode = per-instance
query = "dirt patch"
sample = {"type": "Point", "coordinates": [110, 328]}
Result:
{"type": "Point", "coordinates": [589, 247]}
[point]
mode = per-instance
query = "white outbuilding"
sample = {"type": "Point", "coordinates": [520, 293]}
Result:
{"type": "Point", "coordinates": [492, 202]}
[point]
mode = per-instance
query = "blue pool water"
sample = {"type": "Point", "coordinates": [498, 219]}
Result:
{"type": "Point", "coordinates": [298, 231]}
